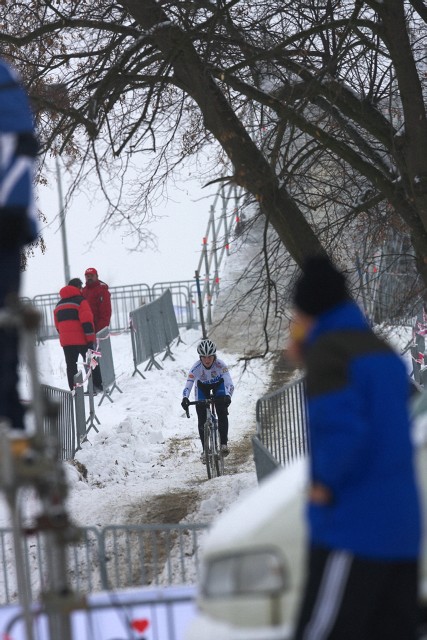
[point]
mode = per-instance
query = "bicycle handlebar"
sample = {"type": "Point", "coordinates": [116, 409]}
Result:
{"type": "Point", "coordinates": [201, 403]}
{"type": "Point", "coordinates": [204, 403]}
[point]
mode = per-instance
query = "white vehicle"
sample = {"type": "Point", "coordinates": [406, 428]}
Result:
{"type": "Point", "coordinates": [253, 562]}
{"type": "Point", "coordinates": [252, 569]}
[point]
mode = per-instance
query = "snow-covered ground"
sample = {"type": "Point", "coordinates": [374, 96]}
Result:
{"type": "Point", "coordinates": [143, 465]}
{"type": "Point", "coordinates": [146, 446]}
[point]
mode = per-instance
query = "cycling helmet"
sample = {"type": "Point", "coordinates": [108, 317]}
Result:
{"type": "Point", "coordinates": [206, 348]}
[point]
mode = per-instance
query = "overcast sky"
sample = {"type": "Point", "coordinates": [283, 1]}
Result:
{"type": "Point", "coordinates": [179, 232]}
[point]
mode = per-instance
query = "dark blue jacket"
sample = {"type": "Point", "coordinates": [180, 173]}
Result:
{"type": "Point", "coordinates": [358, 390]}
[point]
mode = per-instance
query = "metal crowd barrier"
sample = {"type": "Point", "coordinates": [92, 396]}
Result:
{"type": "Point", "coordinates": [64, 424]}
{"type": "Point", "coordinates": [418, 348]}
{"type": "Point", "coordinates": [184, 297]}
{"type": "Point", "coordinates": [106, 364]}
{"type": "Point", "coordinates": [45, 305]}
{"type": "Point", "coordinates": [150, 554]}
{"type": "Point", "coordinates": [125, 299]}
{"type": "Point", "coordinates": [69, 424]}
{"type": "Point", "coordinates": [158, 613]}
{"type": "Point", "coordinates": [281, 423]}
{"type": "Point", "coordinates": [115, 557]}
{"type": "Point", "coordinates": [153, 328]}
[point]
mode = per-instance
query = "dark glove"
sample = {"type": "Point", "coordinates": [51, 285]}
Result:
{"type": "Point", "coordinates": [185, 404]}
{"type": "Point", "coordinates": [227, 401]}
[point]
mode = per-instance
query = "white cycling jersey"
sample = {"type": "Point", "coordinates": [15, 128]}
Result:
{"type": "Point", "coordinates": [199, 373]}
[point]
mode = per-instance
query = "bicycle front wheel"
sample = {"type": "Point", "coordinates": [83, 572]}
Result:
{"type": "Point", "coordinates": [216, 457]}
{"type": "Point", "coordinates": [220, 462]}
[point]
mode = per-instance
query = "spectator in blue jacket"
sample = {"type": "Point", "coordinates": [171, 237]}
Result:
{"type": "Point", "coordinates": [18, 148]}
{"type": "Point", "coordinates": [363, 507]}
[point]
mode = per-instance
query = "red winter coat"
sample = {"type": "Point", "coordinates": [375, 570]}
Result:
{"type": "Point", "coordinates": [99, 298]}
{"type": "Point", "coordinates": [73, 318]}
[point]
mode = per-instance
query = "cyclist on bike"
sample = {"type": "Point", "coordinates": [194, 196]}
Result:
{"type": "Point", "coordinates": [209, 372]}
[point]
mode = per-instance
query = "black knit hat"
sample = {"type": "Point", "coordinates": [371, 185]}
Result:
{"type": "Point", "coordinates": [320, 287]}
{"type": "Point", "coordinates": [76, 282]}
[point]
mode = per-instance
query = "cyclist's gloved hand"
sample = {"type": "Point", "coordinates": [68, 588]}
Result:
{"type": "Point", "coordinates": [185, 404]}
{"type": "Point", "coordinates": [227, 401]}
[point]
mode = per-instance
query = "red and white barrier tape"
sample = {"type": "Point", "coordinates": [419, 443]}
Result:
{"type": "Point", "coordinates": [91, 363]}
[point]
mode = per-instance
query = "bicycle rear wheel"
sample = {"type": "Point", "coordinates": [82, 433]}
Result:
{"type": "Point", "coordinates": [208, 450]}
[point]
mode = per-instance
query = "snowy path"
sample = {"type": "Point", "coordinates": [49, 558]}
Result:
{"type": "Point", "coordinates": [146, 447]}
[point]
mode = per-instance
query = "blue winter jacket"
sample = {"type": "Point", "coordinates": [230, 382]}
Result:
{"type": "Point", "coordinates": [357, 391]}
{"type": "Point", "coordinates": [18, 149]}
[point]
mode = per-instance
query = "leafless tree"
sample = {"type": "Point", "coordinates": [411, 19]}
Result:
{"type": "Point", "coordinates": [316, 109]}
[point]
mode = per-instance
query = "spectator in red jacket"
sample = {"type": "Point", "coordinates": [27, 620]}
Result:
{"type": "Point", "coordinates": [97, 294]}
{"type": "Point", "coordinates": [74, 323]}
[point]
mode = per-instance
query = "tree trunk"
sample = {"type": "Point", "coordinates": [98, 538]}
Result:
{"type": "Point", "coordinates": [252, 171]}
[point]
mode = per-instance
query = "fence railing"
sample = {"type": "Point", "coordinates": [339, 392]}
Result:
{"type": "Point", "coordinates": [153, 328]}
{"type": "Point", "coordinates": [63, 425]}
{"type": "Point", "coordinates": [159, 613]}
{"type": "Point", "coordinates": [125, 299]}
{"type": "Point", "coordinates": [225, 217]}
{"type": "Point", "coordinates": [106, 364]}
{"type": "Point", "coordinates": [388, 281]}
{"type": "Point", "coordinates": [115, 557]}
{"type": "Point", "coordinates": [230, 199]}
{"type": "Point", "coordinates": [281, 422]}
{"type": "Point", "coordinates": [418, 347]}
{"type": "Point", "coordinates": [151, 554]}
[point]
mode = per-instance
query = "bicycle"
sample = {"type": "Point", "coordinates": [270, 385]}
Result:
{"type": "Point", "coordinates": [213, 455]}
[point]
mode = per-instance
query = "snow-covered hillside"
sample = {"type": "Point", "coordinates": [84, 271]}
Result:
{"type": "Point", "coordinates": [252, 299]}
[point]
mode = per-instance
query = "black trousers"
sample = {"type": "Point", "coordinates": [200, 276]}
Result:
{"type": "Point", "coordinates": [352, 598]}
{"type": "Point", "coordinates": [10, 404]}
{"type": "Point", "coordinates": [222, 413]}
{"type": "Point", "coordinates": [72, 353]}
